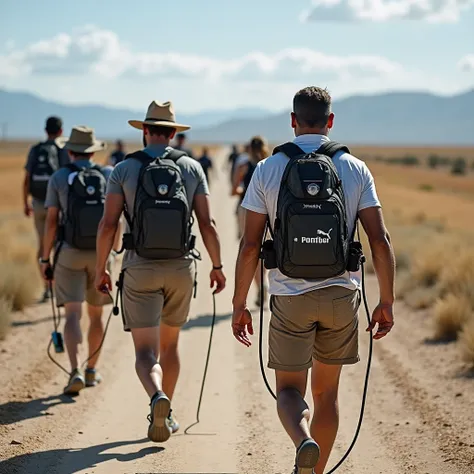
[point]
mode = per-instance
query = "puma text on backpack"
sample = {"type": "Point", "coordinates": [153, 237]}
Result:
{"type": "Point", "coordinates": [310, 233]}
{"type": "Point", "coordinates": [46, 162]}
{"type": "Point", "coordinates": [161, 225]}
{"type": "Point", "coordinates": [85, 206]}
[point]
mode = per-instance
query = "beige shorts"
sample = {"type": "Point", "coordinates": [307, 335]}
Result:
{"type": "Point", "coordinates": [74, 277]}
{"type": "Point", "coordinates": [39, 215]}
{"type": "Point", "coordinates": [321, 325]}
{"type": "Point", "coordinates": [156, 292]}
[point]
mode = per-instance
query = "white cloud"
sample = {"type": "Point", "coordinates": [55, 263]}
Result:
{"type": "Point", "coordinates": [93, 51]}
{"type": "Point", "coordinates": [436, 11]}
{"type": "Point", "coordinates": [467, 63]}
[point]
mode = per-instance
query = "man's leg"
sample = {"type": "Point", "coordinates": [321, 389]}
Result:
{"type": "Point", "coordinates": [169, 357]}
{"type": "Point", "coordinates": [39, 215]}
{"type": "Point", "coordinates": [146, 341]}
{"type": "Point", "coordinates": [95, 334]}
{"type": "Point", "coordinates": [72, 332]}
{"type": "Point", "coordinates": [325, 423]}
{"type": "Point", "coordinates": [292, 408]}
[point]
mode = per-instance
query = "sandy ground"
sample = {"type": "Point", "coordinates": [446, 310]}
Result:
{"type": "Point", "coordinates": [419, 418]}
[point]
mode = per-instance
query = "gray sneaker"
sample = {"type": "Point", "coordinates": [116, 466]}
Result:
{"type": "Point", "coordinates": [173, 423]}
{"type": "Point", "coordinates": [307, 456]}
{"type": "Point", "coordinates": [76, 383]}
{"type": "Point", "coordinates": [93, 378]}
{"type": "Point", "coordinates": [159, 431]}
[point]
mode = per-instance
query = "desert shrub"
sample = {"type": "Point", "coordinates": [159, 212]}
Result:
{"type": "Point", "coordinates": [459, 166]}
{"type": "Point", "coordinates": [407, 160]}
{"type": "Point", "coordinates": [433, 161]}
{"type": "Point", "coordinates": [5, 311]}
{"type": "Point", "coordinates": [450, 315]}
{"type": "Point", "coordinates": [19, 279]}
{"type": "Point", "coordinates": [426, 187]}
{"type": "Point", "coordinates": [467, 342]}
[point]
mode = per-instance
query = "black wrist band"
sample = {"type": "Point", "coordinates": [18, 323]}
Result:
{"type": "Point", "coordinates": [42, 260]}
{"type": "Point", "coordinates": [218, 268]}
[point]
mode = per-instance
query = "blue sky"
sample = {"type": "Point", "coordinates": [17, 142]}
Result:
{"type": "Point", "coordinates": [230, 54]}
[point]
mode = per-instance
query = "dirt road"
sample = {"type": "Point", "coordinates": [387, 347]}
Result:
{"type": "Point", "coordinates": [419, 414]}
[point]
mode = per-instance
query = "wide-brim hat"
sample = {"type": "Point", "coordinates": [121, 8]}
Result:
{"type": "Point", "coordinates": [83, 140]}
{"type": "Point", "coordinates": [161, 114]}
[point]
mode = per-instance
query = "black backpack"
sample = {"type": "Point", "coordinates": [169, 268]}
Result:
{"type": "Point", "coordinates": [162, 220]}
{"type": "Point", "coordinates": [85, 206]}
{"type": "Point", "coordinates": [46, 162]}
{"type": "Point", "coordinates": [311, 239]}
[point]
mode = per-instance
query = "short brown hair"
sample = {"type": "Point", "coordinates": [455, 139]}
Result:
{"type": "Point", "coordinates": [159, 130]}
{"type": "Point", "coordinates": [312, 107]}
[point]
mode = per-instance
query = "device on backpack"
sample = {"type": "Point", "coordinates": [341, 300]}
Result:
{"type": "Point", "coordinates": [85, 206]}
{"type": "Point", "coordinates": [310, 235]}
{"type": "Point", "coordinates": [162, 220]}
{"type": "Point", "coordinates": [46, 162]}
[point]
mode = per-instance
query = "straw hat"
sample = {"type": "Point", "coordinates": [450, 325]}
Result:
{"type": "Point", "coordinates": [160, 114]}
{"type": "Point", "coordinates": [82, 140]}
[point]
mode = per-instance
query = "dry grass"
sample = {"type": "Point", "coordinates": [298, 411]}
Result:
{"type": "Point", "coordinates": [5, 311]}
{"type": "Point", "coordinates": [467, 342]}
{"type": "Point", "coordinates": [20, 282]}
{"type": "Point", "coordinates": [451, 313]}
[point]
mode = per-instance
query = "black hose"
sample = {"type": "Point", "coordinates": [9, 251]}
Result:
{"type": "Point", "coordinates": [206, 365]}
{"type": "Point", "coordinates": [367, 373]}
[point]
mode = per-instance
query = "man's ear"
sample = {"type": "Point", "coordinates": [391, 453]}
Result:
{"type": "Point", "coordinates": [293, 120]}
{"type": "Point", "coordinates": [331, 120]}
{"type": "Point", "coordinates": [173, 134]}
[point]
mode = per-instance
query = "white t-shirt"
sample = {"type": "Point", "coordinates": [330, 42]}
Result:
{"type": "Point", "coordinates": [262, 196]}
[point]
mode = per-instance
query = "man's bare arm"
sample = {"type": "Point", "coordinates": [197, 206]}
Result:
{"type": "Point", "coordinates": [108, 227]}
{"type": "Point", "coordinates": [207, 227]}
{"type": "Point", "coordinates": [26, 193]}
{"type": "Point", "coordinates": [249, 252]}
{"type": "Point", "coordinates": [382, 252]}
{"type": "Point", "coordinates": [50, 231]}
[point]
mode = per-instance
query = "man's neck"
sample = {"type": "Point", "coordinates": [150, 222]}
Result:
{"type": "Point", "coordinates": [311, 131]}
{"type": "Point", "coordinates": [158, 142]}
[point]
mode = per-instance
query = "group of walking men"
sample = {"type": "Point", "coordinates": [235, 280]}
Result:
{"type": "Point", "coordinates": [78, 206]}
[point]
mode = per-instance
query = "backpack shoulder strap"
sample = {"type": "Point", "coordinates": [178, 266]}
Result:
{"type": "Point", "coordinates": [290, 149]}
{"type": "Point", "coordinates": [173, 155]}
{"type": "Point", "coordinates": [140, 155]}
{"type": "Point", "coordinates": [331, 148]}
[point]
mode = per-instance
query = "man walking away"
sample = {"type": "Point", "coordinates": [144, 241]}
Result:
{"type": "Point", "coordinates": [118, 155]}
{"type": "Point", "coordinates": [181, 144]}
{"type": "Point", "coordinates": [234, 154]}
{"type": "Point", "coordinates": [314, 322]}
{"type": "Point", "coordinates": [75, 203]}
{"type": "Point", "coordinates": [206, 163]}
{"type": "Point", "coordinates": [158, 188]}
{"type": "Point", "coordinates": [43, 160]}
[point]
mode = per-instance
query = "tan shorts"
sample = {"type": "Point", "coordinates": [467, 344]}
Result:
{"type": "Point", "coordinates": [321, 325]}
{"type": "Point", "coordinates": [39, 215]}
{"type": "Point", "coordinates": [74, 277]}
{"type": "Point", "coordinates": [154, 292]}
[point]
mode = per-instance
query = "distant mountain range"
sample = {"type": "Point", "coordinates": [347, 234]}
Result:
{"type": "Point", "coordinates": [398, 118]}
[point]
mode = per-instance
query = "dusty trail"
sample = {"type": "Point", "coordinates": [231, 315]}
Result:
{"type": "Point", "coordinates": [411, 399]}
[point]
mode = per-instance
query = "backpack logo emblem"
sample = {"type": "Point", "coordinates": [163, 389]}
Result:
{"type": "Point", "coordinates": [327, 234]}
{"type": "Point", "coordinates": [41, 159]}
{"type": "Point", "coordinates": [90, 190]}
{"type": "Point", "coordinates": [312, 189]}
{"type": "Point", "coordinates": [163, 189]}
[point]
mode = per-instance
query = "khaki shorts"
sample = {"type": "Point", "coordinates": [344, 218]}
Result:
{"type": "Point", "coordinates": [74, 277]}
{"type": "Point", "coordinates": [321, 325]}
{"type": "Point", "coordinates": [39, 215]}
{"type": "Point", "coordinates": [154, 292]}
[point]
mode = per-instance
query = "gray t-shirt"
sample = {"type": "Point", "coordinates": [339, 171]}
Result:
{"type": "Point", "coordinates": [58, 187]}
{"type": "Point", "coordinates": [124, 180]}
{"type": "Point", "coordinates": [262, 196]}
{"type": "Point", "coordinates": [63, 158]}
